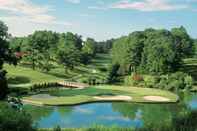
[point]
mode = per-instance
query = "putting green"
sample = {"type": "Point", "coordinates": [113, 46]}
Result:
{"type": "Point", "coordinates": [101, 94]}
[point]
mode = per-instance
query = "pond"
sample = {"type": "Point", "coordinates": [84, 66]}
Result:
{"type": "Point", "coordinates": [120, 114]}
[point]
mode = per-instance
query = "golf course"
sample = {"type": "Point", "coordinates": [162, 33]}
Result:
{"type": "Point", "coordinates": [62, 76]}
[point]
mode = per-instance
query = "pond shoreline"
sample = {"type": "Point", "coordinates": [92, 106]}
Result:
{"type": "Point", "coordinates": [120, 94]}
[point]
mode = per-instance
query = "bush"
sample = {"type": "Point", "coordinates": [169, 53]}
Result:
{"type": "Point", "coordinates": [83, 80]}
{"type": "Point", "coordinates": [173, 82]}
{"type": "Point", "coordinates": [14, 120]}
{"type": "Point", "coordinates": [176, 81]}
{"type": "Point", "coordinates": [137, 77]}
{"type": "Point", "coordinates": [150, 81]}
{"type": "Point", "coordinates": [188, 82]}
{"type": "Point", "coordinates": [43, 86]}
{"type": "Point", "coordinates": [129, 81]}
{"type": "Point", "coordinates": [57, 128]}
{"type": "Point", "coordinates": [133, 80]}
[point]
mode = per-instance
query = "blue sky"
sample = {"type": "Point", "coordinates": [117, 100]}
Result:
{"type": "Point", "coordinates": [99, 19]}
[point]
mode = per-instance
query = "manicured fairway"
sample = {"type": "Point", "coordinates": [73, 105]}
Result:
{"type": "Point", "coordinates": [23, 75]}
{"type": "Point", "coordinates": [72, 97]}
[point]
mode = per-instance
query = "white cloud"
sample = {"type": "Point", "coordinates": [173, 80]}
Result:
{"type": "Point", "coordinates": [73, 1]}
{"type": "Point", "coordinates": [28, 11]}
{"type": "Point", "coordinates": [148, 5]}
{"type": "Point", "coordinates": [22, 26]}
{"type": "Point", "coordinates": [34, 20]}
{"type": "Point", "coordinates": [25, 7]}
{"type": "Point", "coordinates": [97, 8]}
{"type": "Point", "coordinates": [23, 17]}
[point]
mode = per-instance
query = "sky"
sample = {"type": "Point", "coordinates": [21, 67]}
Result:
{"type": "Point", "coordinates": [98, 19]}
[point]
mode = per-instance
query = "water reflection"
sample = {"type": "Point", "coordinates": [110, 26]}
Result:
{"type": "Point", "coordinates": [193, 102]}
{"type": "Point", "coordinates": [110, 114]}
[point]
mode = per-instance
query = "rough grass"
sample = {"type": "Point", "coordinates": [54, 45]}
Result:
{"type": "Point", "coordinates": [94, 128]}
{"type": "Point", "coordinates": [23, 76]}
{"type": "Point", "coordinates": [71, 97]}
{"type": "Point", "coordinates": [83, 72]}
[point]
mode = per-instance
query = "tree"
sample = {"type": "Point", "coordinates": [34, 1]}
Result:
{"type": "Point", "coordinates": [136, 42]}
{"type": "Point", "coordinates": [120, 54]}
{"type": "Point", "coordinates": [89, 47]}
{"type": "Point", "coordinates": [41, 49]}
{"type": "Point", "coordinates": [195, 47]}
{"type": "Point", "coordinates": [3, 43]}
{"type": "Point", "coordinates": [32, 52]}
{"type": "Point", "coordinates": [152, 51]}
{"type": "Point", "coordinates": [16, 44]}
{"type": "Point", "coordinates": [78, 42]}
{"type": "Point", "coordinates": [183, 42]}
{"type": "Point", "coordinates": [88, 50]}
{"type": "Point", "coordinates": [3, 83]}
{"type": "Point", "coordinates": [113, 73]}
{"type": "Point", "coordinates": [104, 46]}
{"type": "Point", "coordinates": [4, 56]}
{"type": "Point", "coordinates": [67, 53]}
{"type": "Point", "coordinates": [184, 46]}
{"type": "Point", "coordinates": [158, 53]}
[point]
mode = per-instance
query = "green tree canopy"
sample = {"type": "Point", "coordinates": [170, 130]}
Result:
{"type": "Point", "coordinates": [89, 47]}
{"type": "Point", "coordinates": [5, 55]}
{"type": "Point", "coordinates": [152, 51]}
{"type": "Point", "coordinates": [68, 54]}
{"type": "Point", "coordinates": [41, 47]}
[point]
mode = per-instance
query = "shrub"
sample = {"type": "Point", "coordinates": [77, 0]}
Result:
{"type": "Point", "coordinates": [57, 128]}
{"type": "Point", "coordinates": [133, 80]}
{"type": "Point", "coordinates": [188, 82]}
{"type": "Point", "coordinates": [14, 120]}
{"type": "Point", "coordinates": [137, 77]}
{"type": "Point", "coordinates": [83, 80]}
{"type": "Point", "coordinates": [129, 81]}
{"type": "Point", "coordinates": [176, 81]}
{"type": "Point", "coordinates": [150, 81]}
{"type": "Point", "coordinates": [43, 86]}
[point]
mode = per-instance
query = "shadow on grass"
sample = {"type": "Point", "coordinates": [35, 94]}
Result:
{"type": "Point", "coordinates": [18, 80]}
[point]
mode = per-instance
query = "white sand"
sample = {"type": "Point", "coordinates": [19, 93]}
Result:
{"type": "Point", "coordinates": [121, 98]}
{"type": "Point", "coordinates": [156, 98]}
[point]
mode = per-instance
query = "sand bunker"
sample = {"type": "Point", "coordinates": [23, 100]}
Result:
{"type": "Point", "coordinates": [118, 98]}
{"type": "Point", "coordinates": [156, 98]}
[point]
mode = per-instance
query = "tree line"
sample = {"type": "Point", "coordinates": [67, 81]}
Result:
{"type": "Point", "coordinates": [44, 48]}
{"type": "Point", "coordinates": [152, 51]}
